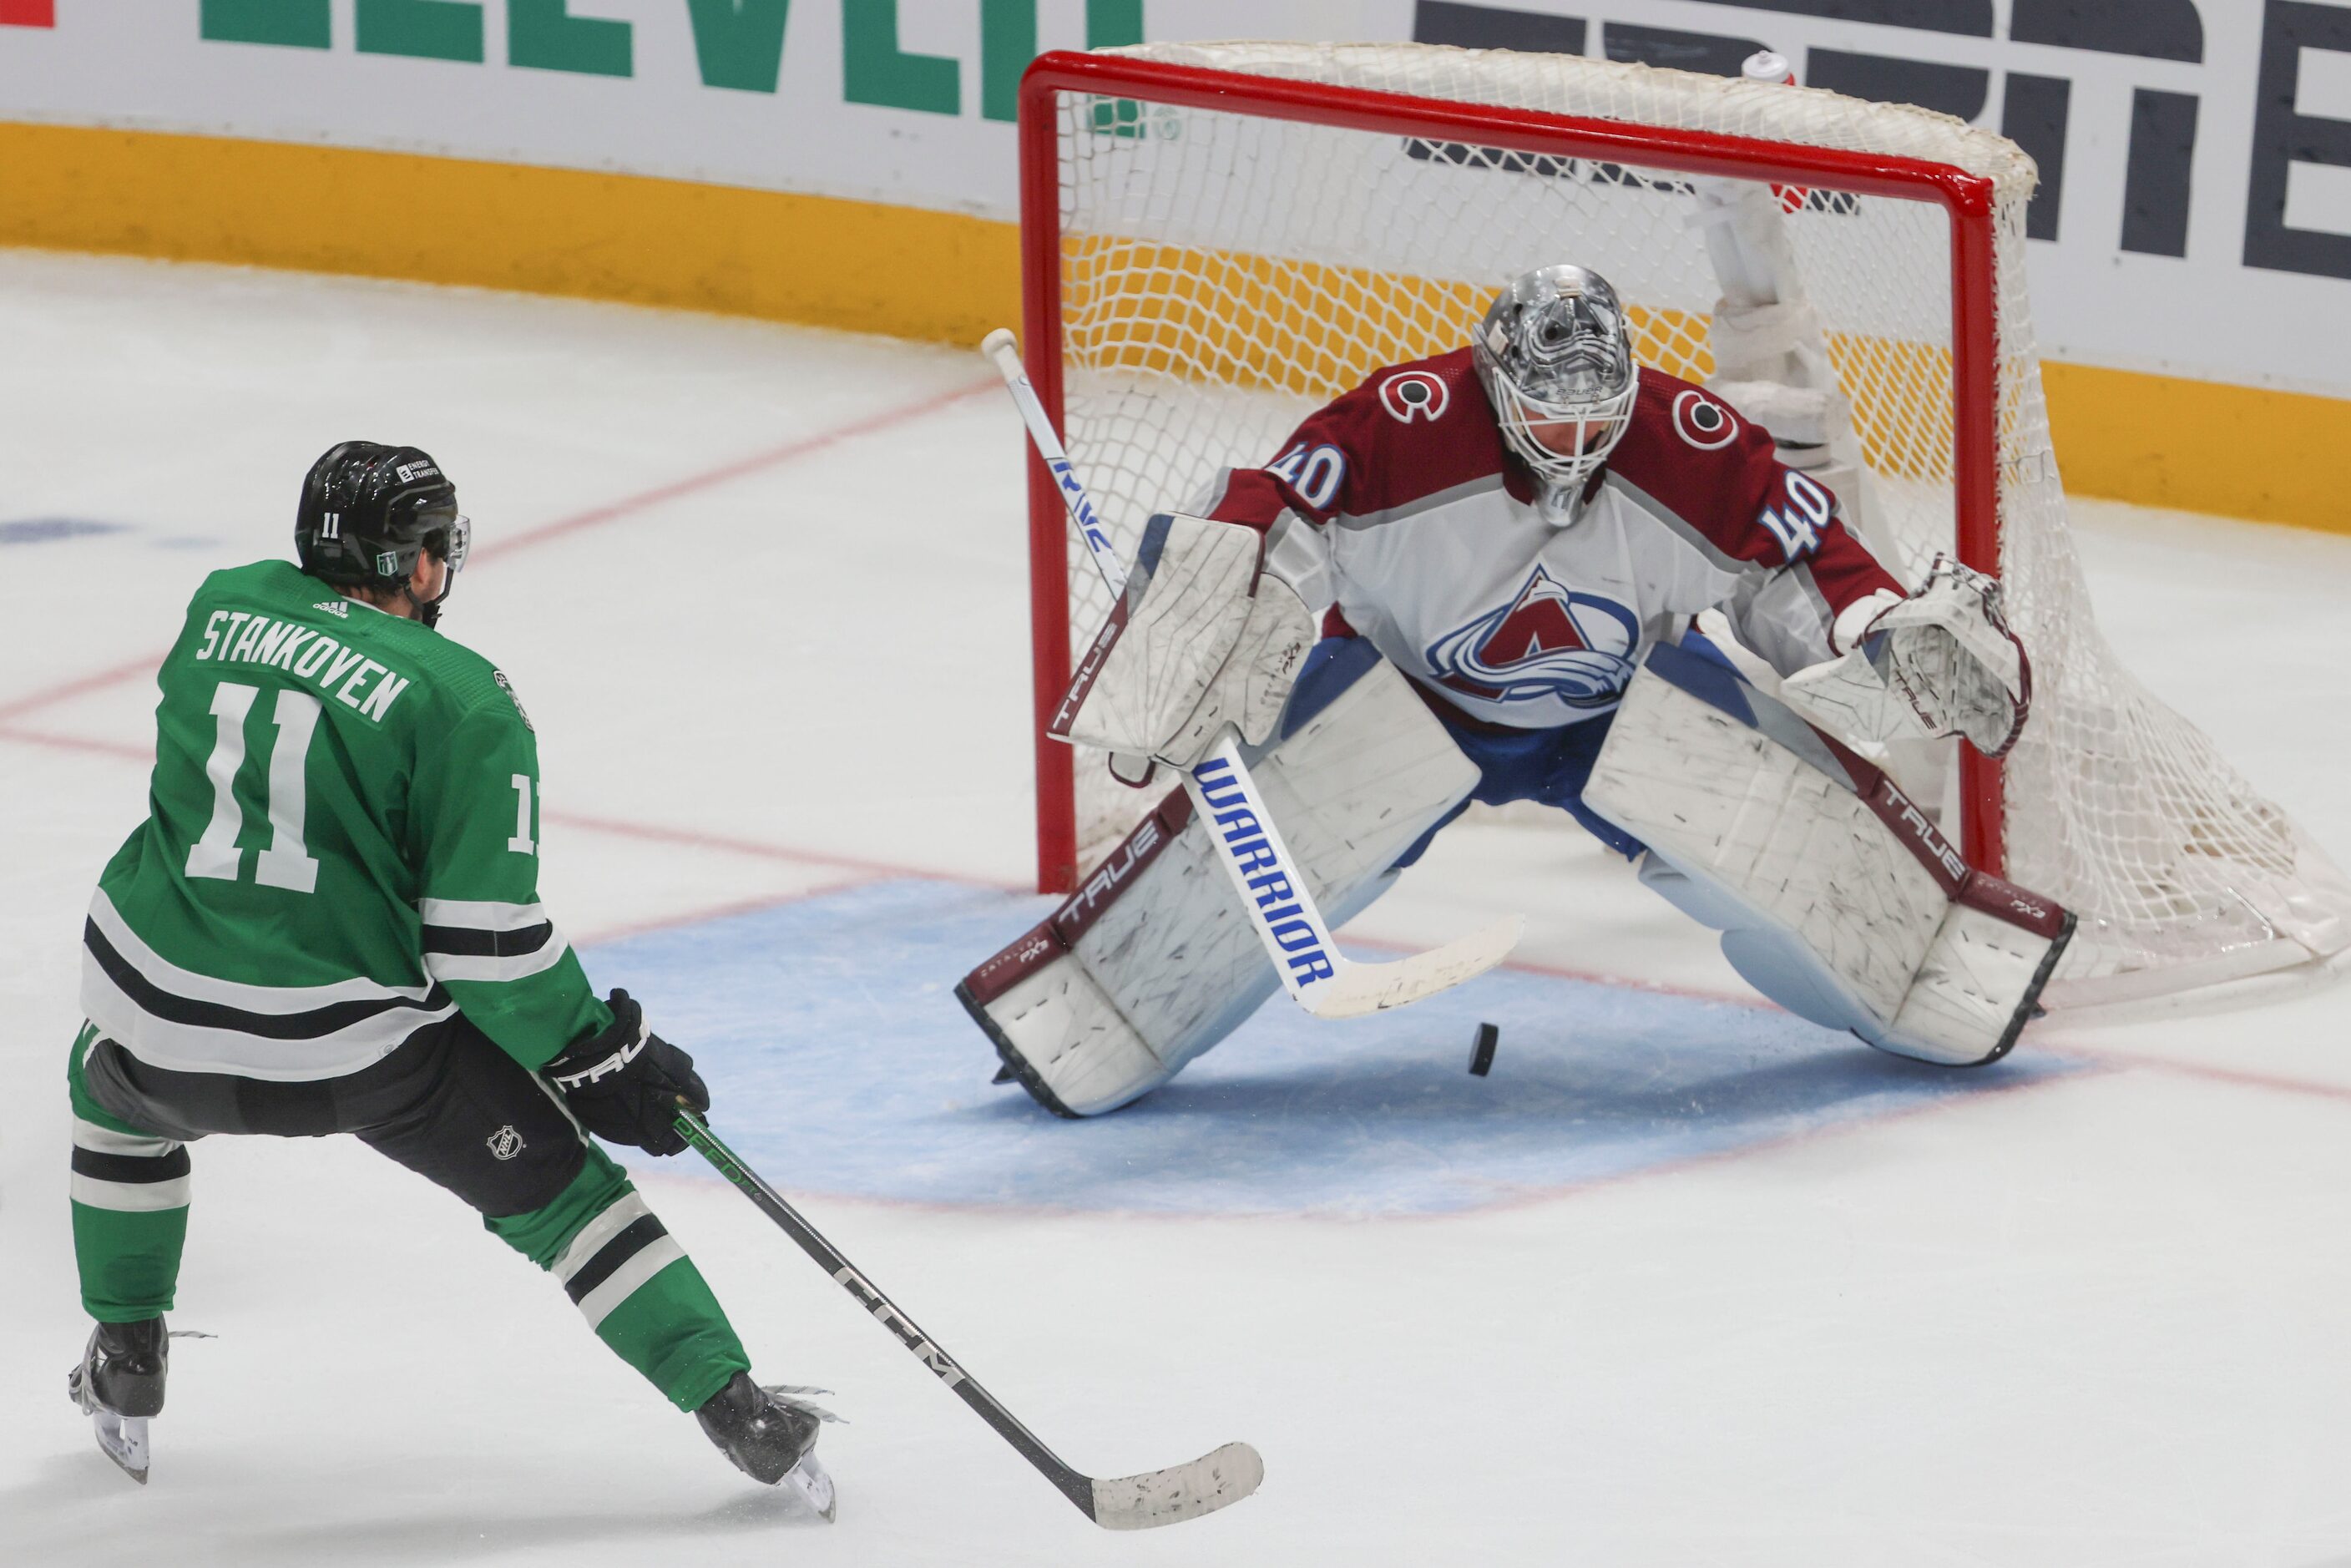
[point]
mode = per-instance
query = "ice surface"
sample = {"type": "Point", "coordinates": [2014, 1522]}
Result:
{"type": "Point", "coordinates": [1773, 1302]}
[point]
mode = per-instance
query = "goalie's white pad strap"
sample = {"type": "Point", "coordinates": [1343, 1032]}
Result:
{"type": "Point", "coordinates": [1153, 960]}
{"type": "Point", "coordinates": [1836, 896]}
{"type": "Point", "coordinates": [1200, 639]}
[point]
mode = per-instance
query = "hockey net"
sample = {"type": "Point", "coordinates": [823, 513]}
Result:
{"type": "Point", "coordinates": [1210, 258]}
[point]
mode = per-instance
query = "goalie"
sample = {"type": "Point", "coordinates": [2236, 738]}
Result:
{"type": "Point", "coordinates": [1513, 542]}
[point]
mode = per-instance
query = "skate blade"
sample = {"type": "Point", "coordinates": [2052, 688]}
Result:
{"type": "Point", "coordinates": [123, 1439]}
{"type": "Point", "coordinates": [808, 1481]}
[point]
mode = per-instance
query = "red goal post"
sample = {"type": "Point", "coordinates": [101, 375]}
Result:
{"type": "Point", "coordinates": [1966, 199]}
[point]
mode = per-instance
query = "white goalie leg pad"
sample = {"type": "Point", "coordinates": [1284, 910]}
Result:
{"type": "Point", "coordinates": [1154, 960]}
{"type": "Point", "coordinates": [1836, 897]}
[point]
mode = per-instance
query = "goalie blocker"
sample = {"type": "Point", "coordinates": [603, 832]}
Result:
{"type": "Point", "coordinates": [1836, 897]}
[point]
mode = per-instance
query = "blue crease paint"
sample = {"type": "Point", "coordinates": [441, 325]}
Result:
{"type": "Point", "coordinates": [840, 1062]}
{"type": "Point", "coordinates": [42, 530]}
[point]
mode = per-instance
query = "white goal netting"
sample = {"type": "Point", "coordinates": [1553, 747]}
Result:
{"type": "Point", "coordinates": [1223, 272]}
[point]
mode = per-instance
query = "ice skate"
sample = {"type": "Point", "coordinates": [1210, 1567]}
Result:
{"type": "Point", "coordinates": [119, 1382]}
{"type": "Point", "coordinates": [770, 1434]}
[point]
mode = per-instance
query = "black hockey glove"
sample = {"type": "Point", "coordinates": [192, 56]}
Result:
{"type": "Point", "coordinates": [625, 1083]}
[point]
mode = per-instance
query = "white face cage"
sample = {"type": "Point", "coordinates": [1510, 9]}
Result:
{"type": "Point", "coordinates": [1554, 351]}
{"type": "Point", "coordinates": [1588, 432]}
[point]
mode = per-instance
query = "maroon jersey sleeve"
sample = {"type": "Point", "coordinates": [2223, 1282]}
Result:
{"type": "Point", "coordinates": [1718, 474]}
{"type": "Point", "coordinates": [1408, 432]}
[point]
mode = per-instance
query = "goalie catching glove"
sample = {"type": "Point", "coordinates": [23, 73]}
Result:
{"type": "Point", "coordinates": [1942, 661]}
{"type": "Point", "coordinates": [1204, 637]}
{"type": "Point", "coordinates": [624, 1084]}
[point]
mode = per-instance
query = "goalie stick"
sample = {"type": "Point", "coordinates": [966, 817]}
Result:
{"type": "Point", "coordinates": [1316, 974]}
{"type": "Point", "coordinates": [1214, 1481]}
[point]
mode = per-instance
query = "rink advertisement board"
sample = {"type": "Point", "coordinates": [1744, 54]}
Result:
{"type": "Point", "coordinates": [2194, 219]}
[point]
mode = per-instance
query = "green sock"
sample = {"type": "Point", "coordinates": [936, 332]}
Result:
{"type": "Point", "coordinates": [636, 1287]}
{"type": "Point", "coordinates": [130, 1205]}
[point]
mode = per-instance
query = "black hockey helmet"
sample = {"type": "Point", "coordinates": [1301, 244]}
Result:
{"type": "Point", "coordinates": [367, 510]}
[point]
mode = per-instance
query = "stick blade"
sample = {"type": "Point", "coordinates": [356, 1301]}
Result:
{"type": "Point", "coordinates": [1212, 1482]}
{"type": "Point", "coordinates": [1362, 988]}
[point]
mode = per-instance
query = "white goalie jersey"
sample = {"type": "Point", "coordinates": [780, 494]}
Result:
{"type": "Point", "coordinates": [1398, 507]}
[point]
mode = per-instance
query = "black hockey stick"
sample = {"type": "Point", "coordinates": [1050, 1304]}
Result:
{"type": "Point", "coordinates": [1130, 1503]}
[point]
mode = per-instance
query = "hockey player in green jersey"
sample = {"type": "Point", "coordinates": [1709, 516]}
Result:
{"type": "Point", "coordinates": [330, 922]}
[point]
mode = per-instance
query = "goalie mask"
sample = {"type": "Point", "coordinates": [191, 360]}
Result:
{"type": "Point", "coordinates": [1554, 354]}
{"type": "Point", "coordinates": [368, 511]}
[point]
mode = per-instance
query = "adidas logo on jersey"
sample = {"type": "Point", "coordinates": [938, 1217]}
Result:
{"type": "Point", "coordinates": [334, 606]}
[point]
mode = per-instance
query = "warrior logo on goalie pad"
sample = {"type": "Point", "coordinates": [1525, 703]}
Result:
{"type": "Point", "coordinates": [1550, 642]}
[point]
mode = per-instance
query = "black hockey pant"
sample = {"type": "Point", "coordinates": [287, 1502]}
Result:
{"type": "Point", "coordinates": [448, 1104]}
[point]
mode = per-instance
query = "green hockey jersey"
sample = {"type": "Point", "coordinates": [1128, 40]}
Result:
{"type": "Point", "coordinates": [340, 850]}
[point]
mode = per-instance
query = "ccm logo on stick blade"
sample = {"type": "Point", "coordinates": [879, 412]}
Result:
{"type": "Point", "coordinates": [1414, 395]}
{"type": "Point", "coordinates": [908, 1335]}
{"type": "Point", "coordinates": [1703, 423]}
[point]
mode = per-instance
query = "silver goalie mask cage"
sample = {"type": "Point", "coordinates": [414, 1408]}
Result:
{"type": "Point", "coordinates": [1554, 355]}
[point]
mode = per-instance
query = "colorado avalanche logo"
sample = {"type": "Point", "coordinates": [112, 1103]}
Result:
{"type": "Point", "coordinates": [1550, 642]}
{"type": "Point", "coordinates": [1703, 423]}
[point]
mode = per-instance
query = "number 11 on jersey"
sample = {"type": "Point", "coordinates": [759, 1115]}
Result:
{"type": "Point", "coordinates": [520, 843]}
{"type": "Point", "coordinates": [287, 863]}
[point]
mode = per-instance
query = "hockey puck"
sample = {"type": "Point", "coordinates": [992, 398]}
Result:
{"type": "Point", "coordinates": [1481, 1059]}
